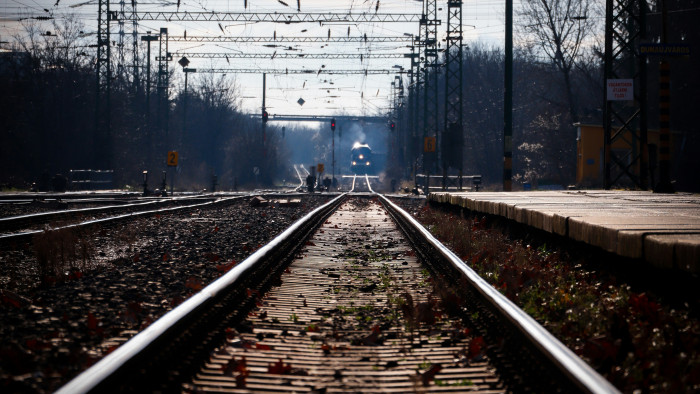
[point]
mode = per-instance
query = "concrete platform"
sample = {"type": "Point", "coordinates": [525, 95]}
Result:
{"type": "Point", "coordinates": [663, 229]}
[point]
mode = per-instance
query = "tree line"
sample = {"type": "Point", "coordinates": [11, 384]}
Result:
{"type": "Point", "coordinates": [49, 97]}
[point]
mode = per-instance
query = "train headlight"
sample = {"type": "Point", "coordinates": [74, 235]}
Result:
{"type": "Point", "coordinates": [367, 163]}
{"type": "Point", "coordinates": [354, 162]}
{"type": "Point", "coordinates": [361, 157]}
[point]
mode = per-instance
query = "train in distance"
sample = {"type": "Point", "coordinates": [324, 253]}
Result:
{"type": "Point", "coordinates": [361, 162]}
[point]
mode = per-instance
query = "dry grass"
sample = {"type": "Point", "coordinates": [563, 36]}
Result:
{"type": "Point", "coordinates": [62, 252]}
{"type": "Point", "coordinates": [632, 338]}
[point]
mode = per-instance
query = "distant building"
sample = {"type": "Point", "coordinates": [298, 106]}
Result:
{"type": "Point", "coordinates": [14, 63]}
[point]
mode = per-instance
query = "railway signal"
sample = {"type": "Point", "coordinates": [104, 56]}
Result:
{"type": "Point", "coordinates": [392, 125]}
{"type": "Point", "coordinates": [265, 116]}
{"type": "Point", "coordinates": [333, 124]}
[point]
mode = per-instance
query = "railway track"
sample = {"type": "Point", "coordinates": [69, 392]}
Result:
{"type": "Point", "coordinates": [21, 228]}
{"type": "Point", "coordinates": [354, 297]}
{"type": "Point", "coordinates": [29, 221]}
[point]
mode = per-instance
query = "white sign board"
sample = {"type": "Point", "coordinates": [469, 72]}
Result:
{"type": "Point", "coordinates": [620, 89]}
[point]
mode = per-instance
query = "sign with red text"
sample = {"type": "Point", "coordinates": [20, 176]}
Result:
{"type": "Point", "coordinates": [620, 89]}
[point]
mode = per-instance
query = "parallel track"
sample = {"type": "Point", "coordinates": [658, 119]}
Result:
{"type": "Point", "coordinates": [309, 332]}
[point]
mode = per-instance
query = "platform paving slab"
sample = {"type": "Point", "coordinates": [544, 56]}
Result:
{"type": "Point", "coordinates": [662, 229]}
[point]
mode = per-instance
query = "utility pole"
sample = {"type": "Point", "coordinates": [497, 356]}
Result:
{"type": "Point", "coordinates": [148, 38]}
{"type": "Point", "coordinates": [664, 185]}
{"type": "Point", "coordinates": [508, 102]}
{"type": "Point", "coordinates": [263, 157]}
{"type": "Point", "coordinates": [184, 62]}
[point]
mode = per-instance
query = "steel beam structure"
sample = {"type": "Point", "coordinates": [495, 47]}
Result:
{"type": "Point", "coordinates": [215, 55]}
{"type": "Point", "coordinates": [625, 121]}
{"type": "Point", "coordinates": [399, 39]}
{"type": "Point", "coordinates": [323, 118]}
{"type": "Point", "coordinates": [453, 134]}
{"type": "Point", "coordinates": [274, 17]}
{"type": "Point", "coordinates": [280, 71]}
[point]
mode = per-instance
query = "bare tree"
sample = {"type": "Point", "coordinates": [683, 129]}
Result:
{"type": "Point", "coordinates": [560, 29]}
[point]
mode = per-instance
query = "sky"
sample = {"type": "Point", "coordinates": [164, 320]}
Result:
{"type": "Point", "coordinates": [322, 94]}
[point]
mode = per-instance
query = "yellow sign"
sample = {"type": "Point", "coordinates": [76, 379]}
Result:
{"type": "Point", "coordinates": [429, 144]}
{"type": "Point", "coordinates": [319, 168]}
{"type": "Point", "coordinates": [172, 158]}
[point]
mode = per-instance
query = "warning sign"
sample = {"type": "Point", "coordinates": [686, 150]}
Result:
{"type": "Point", "coordinates": [172, 158]}
{"type": "Point", "coordinates": [620, 89]}
{"type": "Point", "coordinates": [429, 144]}
{"type": "Point", "coordinates": [319, 168]}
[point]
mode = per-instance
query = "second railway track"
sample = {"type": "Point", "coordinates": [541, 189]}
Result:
{"type": "Point", "coordinates": [345, 301]}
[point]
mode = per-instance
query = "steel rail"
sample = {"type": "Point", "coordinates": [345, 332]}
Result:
{"type": "Point", "coordinates": [131, 366]}
{"type": "Point", "coordinates": [567, 364]}
{"type": "Point", "coordinates": [72, 195]}
{"type": "Point", "coordinates": [369, 187]}
{"type": "Point", "coordinates": [11, 223]}
{"type": "Point", "coordinates": [26, 236]}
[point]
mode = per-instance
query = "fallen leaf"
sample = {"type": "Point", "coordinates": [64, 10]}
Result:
{"type": "Point", "coordinates": [279, 368]}
{"type": "Point", "coordinates": [429, 375]}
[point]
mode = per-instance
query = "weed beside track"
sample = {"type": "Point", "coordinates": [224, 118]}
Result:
{"type": "Point", "coordinates": [633, 338]}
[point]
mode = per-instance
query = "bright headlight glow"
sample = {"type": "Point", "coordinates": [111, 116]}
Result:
{"type": "Point", "coordinates": [354, 163]}
{"type": "Point", "coordinates": [361, 157]}
{"type": "Point", "coordinates": [367, 163]}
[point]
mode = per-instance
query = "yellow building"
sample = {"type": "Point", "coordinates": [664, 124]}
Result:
{"type": "Point", "coordinates": [590, 154]}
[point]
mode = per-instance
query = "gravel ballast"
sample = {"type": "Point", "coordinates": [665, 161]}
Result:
{"type": "Point", "coordinates": [72, 297]}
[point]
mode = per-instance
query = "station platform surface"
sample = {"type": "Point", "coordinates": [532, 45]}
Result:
{"type": "Point", "coordinates": [662, 229]}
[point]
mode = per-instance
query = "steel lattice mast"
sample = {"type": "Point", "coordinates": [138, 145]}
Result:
{"type": "Point", "coordinates": [135, 47]}
{"type": "Point", "coordinates": [413, 88]}
{"type": "Point", "coordinates": [430, 25]}
{"type": "Point", "coordinates": [625, 29]}
{"type": "Point", "coordinates": [453, 135]}
{"type": "Point", "coordinates": [163, 79]}
{"type": "Point", "coordinates": [102, 159]}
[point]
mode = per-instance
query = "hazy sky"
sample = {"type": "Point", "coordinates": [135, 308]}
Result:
{"type": "Point", "coordinates": [323, 94]}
